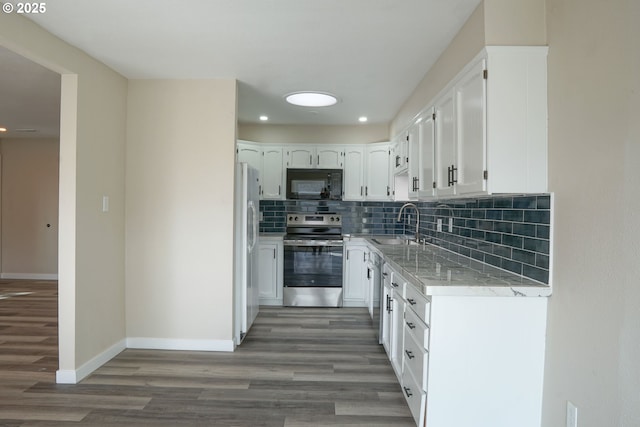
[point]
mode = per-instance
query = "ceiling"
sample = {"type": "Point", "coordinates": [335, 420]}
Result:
{"type": "Point", "coordinates": [370, 53]}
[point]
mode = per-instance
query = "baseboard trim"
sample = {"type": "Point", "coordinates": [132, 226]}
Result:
{"type": "Point", "coordinates": [180, 344]}
{"type": "Point", "coordinates": [28, 276]}
{"type": "Point", "coordinates": [70, 376]}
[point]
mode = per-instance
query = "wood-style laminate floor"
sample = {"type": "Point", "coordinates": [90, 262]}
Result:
{"type": "Point", "coordinates": [298, 367]}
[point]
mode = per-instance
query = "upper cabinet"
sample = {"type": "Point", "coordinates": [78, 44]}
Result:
{"type": "Point", "coordinates": [353, 176]}
{"type": "Point", "coordinates": [330, 156]}
{"type": "Point", "coordinates": [377, 172]}
{"type": "Point", "coordinates": [300, 156]}
{"type": "Point", "coordinates": [307, 156]}
{"type": "Point", "coordinates": [487, 130]}
{"type": "Point", "coordinates": [273, 185]}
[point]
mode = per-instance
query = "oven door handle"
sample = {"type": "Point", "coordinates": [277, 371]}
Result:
{"type": "Point", "coordinates": [305, 244]}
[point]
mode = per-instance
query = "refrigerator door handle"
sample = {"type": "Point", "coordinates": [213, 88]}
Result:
{"type": "Point", "coordinates": [253, 236]}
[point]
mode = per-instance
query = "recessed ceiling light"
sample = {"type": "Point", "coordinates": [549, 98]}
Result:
{"type": "Point", "coordinates": [3, 129]}
{"type": "Point", "coordinates": [311, 99]}
{"type": "Point", "coordinates": [264, 118]}
{"type": "Point", "coordinates": [362, 119]}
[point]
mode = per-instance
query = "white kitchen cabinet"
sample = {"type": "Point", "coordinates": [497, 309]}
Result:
{"type": "Point", "coordinates": [471, 145]}
{"type": "Point", "coordinates": [250, 153]}
{"type": "Point", "coordinates": [400, 153]}
{"type": "Point", "coordinates": [426, 174]}
{"type": "Point", "coordinates": [353, 175]}
{"type": "Point", "coordinates": [413, 168]}
{"type": "Point", "coordinates": [271, 271]}
{"type": "Point", "coordinates": [355, 275]}
{"type": "Point", "coordinates": [445, 142]}
{"type": "Point", "coordinates": [491, 125]}
{"type": "Point", "coordinates": [398, 305]}
{"type": "Point", "coordinates": [330, 156]}
{"type": "Point", "coordinates": [385, 314]}
{"type": "Point", "coordinates": [273, 185]}
{"type": "Point", "coordinates": [377, 172]}
{"type": "Point", "coordinates": [486, 355]}
{"type": "Point", "coordinates": [300, 156]}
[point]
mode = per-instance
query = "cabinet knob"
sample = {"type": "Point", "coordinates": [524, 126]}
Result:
{"type": "Point", "coordinates": [409, 354]}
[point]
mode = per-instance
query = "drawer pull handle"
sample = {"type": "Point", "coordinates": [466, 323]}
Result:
{"type": "Point", "coordinates": [407, 391]}
{"type": "Point", "coordinates": [394, 284]}
{"type": "Point", "coordinates": [411, 325]}
{"type": "Point", "coordinates": [409, 354]}
{"type": "Point", "coordinates": [411, 301]}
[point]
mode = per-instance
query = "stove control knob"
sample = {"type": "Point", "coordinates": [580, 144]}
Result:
{"type": "Point", "coordinates": [295, 219]}
{"type": "Point", "coordinates": [337, 219]}
{"type": "Point", "coordinates": [290, 218]}
{"type": "Point", "coordinates": [332, 219]}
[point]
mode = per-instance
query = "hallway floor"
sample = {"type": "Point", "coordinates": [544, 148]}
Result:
{"type": "Point", "coordinates": [298, 367]}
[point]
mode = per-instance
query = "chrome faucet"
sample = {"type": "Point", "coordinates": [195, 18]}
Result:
{"type": "Point", "coordinates": [411, 205]}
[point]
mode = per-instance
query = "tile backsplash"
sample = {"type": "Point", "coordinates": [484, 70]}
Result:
{"type": "Point", "coordinates": [510, 232]}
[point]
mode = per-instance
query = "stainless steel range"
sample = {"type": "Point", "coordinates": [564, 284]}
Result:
{"type": "Point", "coordinates": [313, 260]}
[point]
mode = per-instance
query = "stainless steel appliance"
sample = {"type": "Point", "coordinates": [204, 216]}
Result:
{"type": "Point", "coordinates": [314, 184]}
{"type": "Point", "coordinates": [246, 249]}
{"type": "Point", "coordinates": [313, 260]}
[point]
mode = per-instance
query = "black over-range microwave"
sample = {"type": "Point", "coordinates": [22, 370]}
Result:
{"type": "Point", "coordinates": [314, 184]}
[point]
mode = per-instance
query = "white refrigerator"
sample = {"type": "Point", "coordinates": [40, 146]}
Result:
{"type": "Point", "coordinates": [246, 249]}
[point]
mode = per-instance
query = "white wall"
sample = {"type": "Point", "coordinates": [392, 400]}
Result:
{"type": "Point", "coordinates": [91, 243]}
{"type": "Point", "coordinates": [593, 345]}
{"type": "Point", "coordinates": [308, 134]}
{"type": "Point", "coordinates": [29, 202]}
{"type": "Point", "coordinates": [180, 174]}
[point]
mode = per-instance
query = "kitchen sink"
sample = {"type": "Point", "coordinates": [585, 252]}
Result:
{"type": "Point", "coordinates": [394, 241]}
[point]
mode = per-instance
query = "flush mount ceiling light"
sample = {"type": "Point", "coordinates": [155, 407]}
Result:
{"type": "Point", "coordinates": [362, 119]}
{"type": "Point", "coordinates": [264, 118]}
{"type": "Point", "coordinates": [311, 99]}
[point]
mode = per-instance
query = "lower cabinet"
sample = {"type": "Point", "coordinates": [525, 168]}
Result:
{"type": "Point", "coordinates": [270, 280]}
{"type": "Point", "coordinates": [465, 361]}
{"type": "Point", "coordinates": [354, 279]}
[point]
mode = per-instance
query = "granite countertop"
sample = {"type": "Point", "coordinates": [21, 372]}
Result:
{"type": "Point", "coordinates": [436, 271]}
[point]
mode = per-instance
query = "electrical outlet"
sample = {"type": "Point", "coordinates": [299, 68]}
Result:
{"type": "Point", "coordinates": [450, 224]}
{"type": "Point", "coordinates": [572, 415]}
{"type": "Point", "coordinates": [439, 224]}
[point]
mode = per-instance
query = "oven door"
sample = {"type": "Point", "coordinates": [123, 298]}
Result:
{"type": "Point", "coordinates": [313, 274]}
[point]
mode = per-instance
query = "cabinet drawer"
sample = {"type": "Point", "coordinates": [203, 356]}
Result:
{"type": "Point", "coordinates": [416, 398]}
{"type": "Point", "coordinates": [418, 303]}
{"type": "Point", "coordinates": [417, 328]}
{"type": "Point", "coordinates": [416, 359]}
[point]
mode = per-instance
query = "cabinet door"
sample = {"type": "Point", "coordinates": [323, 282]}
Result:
{"type": "Point", "coordinates": [272, 174]}
{"type": "Point", "coordinates": [355, 275]}
{"type": "Point", "coordinates": [397, 331]}
{"type": "Point", "coordinates": [427, 156]}
{"type": "Point", "coordinates": [414, 160]}
{"type": "Point", "coordinates": [400, 155]}
{"type": "Point", "coordinates": [249, 153]}
{"type": "Point", "coordinates": [300, 157]}
{"type": "Point", "coordinates": [471, 134]}
{"type": "Point", "coordinates": [353, 174]}
{"type": "Point", "coordinates": [329, 157]}
{"type": "Point", "coordinates": [445, 144]}
{"type": "Point", "coordinates": [268, 278]}
{"type": "Point", "coordinates": [377, 173]}
{"type": "Point", "coordinates": [386, 318]}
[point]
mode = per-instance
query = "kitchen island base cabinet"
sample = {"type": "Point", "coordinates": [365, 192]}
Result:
{"type": "Point", "coordinates": [486, 361]}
